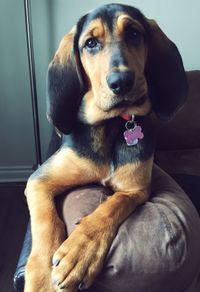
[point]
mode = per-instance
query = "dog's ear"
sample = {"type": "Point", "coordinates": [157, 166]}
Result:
{"type": "Point", "coordinates": [165, 74]}
{"type": "Point", "coordinates": [64, 85]}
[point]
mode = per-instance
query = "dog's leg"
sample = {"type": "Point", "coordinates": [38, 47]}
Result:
{"type": "Point", "coordinates": [80, 258]}
{"type": "Point", "coordinates": [63, 170]}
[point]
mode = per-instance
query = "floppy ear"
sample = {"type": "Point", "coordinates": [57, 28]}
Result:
{"type": "Point", "coordinates": [64, 85]}
{"type": "Point", "coordinates": [165, 74]}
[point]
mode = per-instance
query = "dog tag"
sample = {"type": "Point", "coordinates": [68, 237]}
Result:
{"type": "Point", "coordinates": [133, 133]}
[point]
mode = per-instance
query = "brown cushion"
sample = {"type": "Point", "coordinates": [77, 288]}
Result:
{"type": "Point", "coordinates": [156, 249]}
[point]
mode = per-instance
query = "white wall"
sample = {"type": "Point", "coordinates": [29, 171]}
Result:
{"type": "Point", "coordinates": [17, 155]}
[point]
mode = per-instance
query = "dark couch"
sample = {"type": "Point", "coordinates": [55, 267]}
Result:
{"type": "Point", "coordinates": [157, 248]}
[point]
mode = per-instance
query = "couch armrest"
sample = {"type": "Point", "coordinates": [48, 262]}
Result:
{"type": "Point", "coordinates": [26, 249]}
{"type": "Point", "coordinates": [186, 161]}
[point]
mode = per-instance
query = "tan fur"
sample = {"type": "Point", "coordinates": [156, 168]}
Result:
{"type": "Point", "coordinates": [67, 169]}
{"type": "Point", "coordinates": [97, 29]}
{"type": "Point", "coordinates": [132, 176]}
{"type": "Point", "coordinates": [94, 115]}
{"type": "Point", "coordinates": [97, 69]}
{"type": "Point", "coordinates": [63, 54]}
{"type": "Point", "coordinates": [55, 177]}
{"type": "Point", "coordinates": [123, 20]}
{"type": "Point", "coordinates": [131, 183]}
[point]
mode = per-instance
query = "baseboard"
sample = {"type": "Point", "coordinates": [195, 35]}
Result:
{"type": "Point", "coordinates": [15, 173]}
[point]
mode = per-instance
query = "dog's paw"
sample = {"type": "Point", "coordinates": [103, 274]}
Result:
{"type": "Point", "coordinates": [37, 275]}
{"type": "Point", "coordinates": [39, 265]}
{"type": "Point", "coordinates": [80, 258]}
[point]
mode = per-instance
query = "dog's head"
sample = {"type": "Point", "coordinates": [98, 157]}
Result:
{"type": "Point", "coordinates": [118, 62]}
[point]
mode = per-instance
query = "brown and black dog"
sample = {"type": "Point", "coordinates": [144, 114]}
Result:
{"type": "Point", "coordinates": [109, 73]}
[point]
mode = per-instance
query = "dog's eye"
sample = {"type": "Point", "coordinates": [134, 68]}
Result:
{"type": "Point", "coordinates": [133, 35]}
{"type": "Point", "coordinates": [91, 43]}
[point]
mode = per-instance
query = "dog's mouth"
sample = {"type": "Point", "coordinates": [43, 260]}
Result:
{"type": "Point", "coordinates": [127, 103]}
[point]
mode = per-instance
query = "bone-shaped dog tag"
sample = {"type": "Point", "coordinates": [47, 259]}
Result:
{"type": "Point", "coordinates": [133, 134]}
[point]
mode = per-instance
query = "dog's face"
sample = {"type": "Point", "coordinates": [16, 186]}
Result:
{"type": "Point", "coordinates": [113, 51]}
{"type": "Point", "coordinates": [114, 62]}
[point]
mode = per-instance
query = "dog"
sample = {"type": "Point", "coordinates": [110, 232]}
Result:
{"type": "Point", "coordinates": [109, 73]}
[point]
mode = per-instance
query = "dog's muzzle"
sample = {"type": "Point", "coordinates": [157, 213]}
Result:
{"type": "Point", "coordinates": [121, 83]}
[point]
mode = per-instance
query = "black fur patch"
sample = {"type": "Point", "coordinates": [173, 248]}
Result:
{"type": "Point", "coordinates": [107, 13]}
{"type": "Point", "coordinates": [113, 146]}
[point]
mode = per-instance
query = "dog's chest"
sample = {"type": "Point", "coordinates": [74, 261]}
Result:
{"type": "Point", "coordinates": [106, 144]}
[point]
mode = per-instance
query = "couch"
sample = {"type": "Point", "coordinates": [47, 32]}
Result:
{"type": "Point", "coordinates": [157, 248]}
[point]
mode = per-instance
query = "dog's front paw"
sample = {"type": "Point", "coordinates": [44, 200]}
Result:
{"type": "Point", "coordinates": [38, 275]}
{"type": "Point", "coordinates": [39, 265]}
{"type": "Point", "coordinates": [80, 258]}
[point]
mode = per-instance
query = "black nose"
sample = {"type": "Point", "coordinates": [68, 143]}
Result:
{"type": "Point", "coordinates": [121, 82]}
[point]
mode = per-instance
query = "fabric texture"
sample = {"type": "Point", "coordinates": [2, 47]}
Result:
{"type": "Point", "coordinates": [156, 249]}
